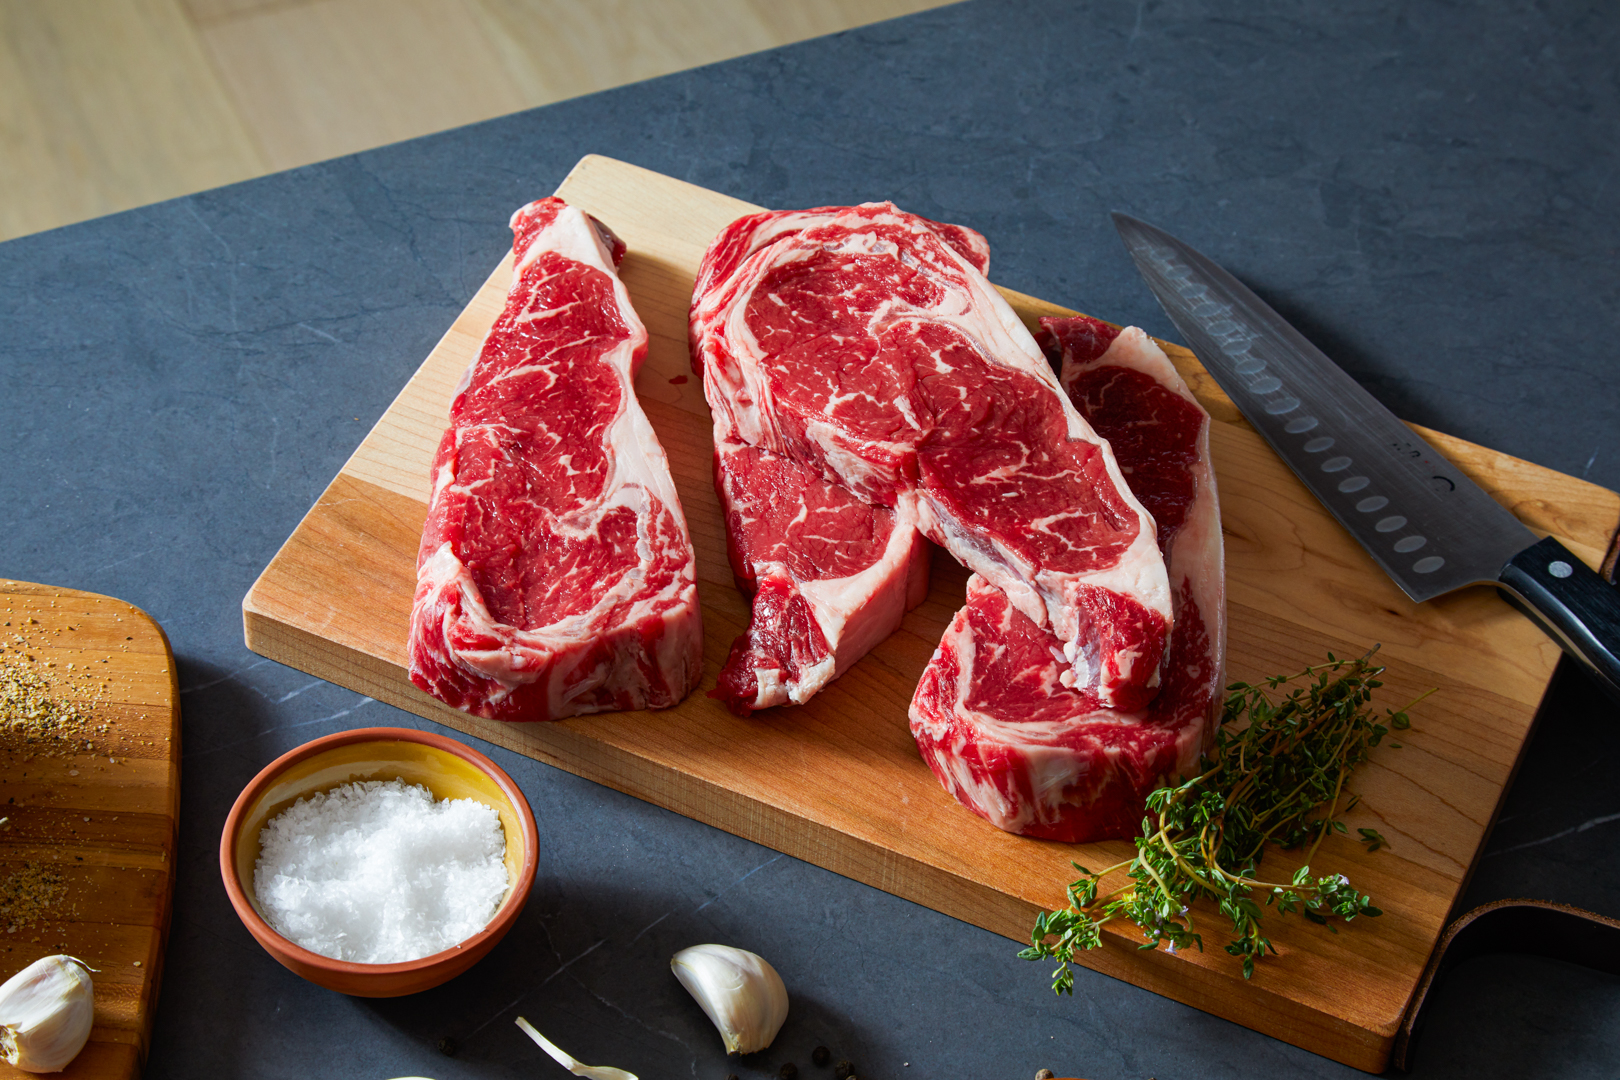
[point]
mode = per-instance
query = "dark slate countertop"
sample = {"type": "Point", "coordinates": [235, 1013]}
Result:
{"type": "Point", "coordinates": [1429, 191]}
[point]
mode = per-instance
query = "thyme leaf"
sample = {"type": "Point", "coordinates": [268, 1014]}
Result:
{"type": "Point", "coordinates": [1276, 775]}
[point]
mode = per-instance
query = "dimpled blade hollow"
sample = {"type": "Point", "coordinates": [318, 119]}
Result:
{"type": "Point", "coordinates": [1425, 523]}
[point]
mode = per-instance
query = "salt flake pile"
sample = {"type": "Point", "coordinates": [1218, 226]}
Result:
{"type": "Point", "coordinates": [377, 872]}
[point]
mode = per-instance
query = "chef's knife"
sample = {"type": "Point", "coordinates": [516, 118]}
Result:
{"type": "Point", "coordinates": [1429, 526]}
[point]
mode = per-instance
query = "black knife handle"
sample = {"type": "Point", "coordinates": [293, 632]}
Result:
{"type": "Point", "coordinates": [1576, 607]}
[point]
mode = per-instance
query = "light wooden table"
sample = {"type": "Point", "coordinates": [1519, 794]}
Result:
{"type": "Point", "coordinates": [110, 104]}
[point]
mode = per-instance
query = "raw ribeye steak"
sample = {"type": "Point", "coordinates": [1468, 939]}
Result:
{"type": "Point", "coordinates": [555, 576]}
{"type": "Point", "coordinates": [864, 344]}
{"type": "Point", "coordinates": [831, 576]}
{"type": "Point", "coordinates": [991, 715]}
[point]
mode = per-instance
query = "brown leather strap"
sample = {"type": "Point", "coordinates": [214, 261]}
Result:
{"type": "Point", "coordinates": [1534, 927]}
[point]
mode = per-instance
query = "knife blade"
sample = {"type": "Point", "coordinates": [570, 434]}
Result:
{"type": "Point", "coordinates": [1427, 525]}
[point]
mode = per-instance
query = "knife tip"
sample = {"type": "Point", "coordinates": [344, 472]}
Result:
{"type": "Point", "coordinates": [1129, 227]}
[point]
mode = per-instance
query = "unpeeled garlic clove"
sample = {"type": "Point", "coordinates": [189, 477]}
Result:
{"type": "Point", "coordinates": [46, 1011]}
{"type": "Point", "coordinates": [739, 991]}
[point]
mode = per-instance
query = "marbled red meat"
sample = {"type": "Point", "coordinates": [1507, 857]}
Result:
{"type": "Point", "coordinates": [992, 716]}
{"type": "Point", "coordinates": [866, 344]}
{"type": "Point", "coordinates": [555, 575]}
{"type": "Point", "coordinates": [831, 576]}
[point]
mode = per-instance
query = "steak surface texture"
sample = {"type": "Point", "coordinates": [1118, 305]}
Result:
{"type": "Point", "coordinates": [992, 716]}
{"type": "Point", "coordinates": [866, 345]}
{"type": "Point", "coordinates": [830, 576]}
{"type": "Point", "coordinates": [556, 573]}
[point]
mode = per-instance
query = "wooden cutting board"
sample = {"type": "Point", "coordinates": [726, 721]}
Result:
{"type": "Point", "coordinates": [839, 782]}
{"type": "Point", "coordinates": [90, 811]}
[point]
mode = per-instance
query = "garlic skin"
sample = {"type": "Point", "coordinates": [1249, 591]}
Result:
{"type": "Point", "coordinates": [569, 1061]}
{"type": "Point", "coordinates": [741, 993]}
{"type": "Point", "coordinates": [46, 1011]}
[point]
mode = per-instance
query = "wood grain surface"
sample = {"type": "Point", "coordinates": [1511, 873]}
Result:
{"type": "Point", "coordinates": [96, 813]}
{"type": "Point", "coordinates": [839, 782]}
{"type": "Point", "coordinates": [109, 104]}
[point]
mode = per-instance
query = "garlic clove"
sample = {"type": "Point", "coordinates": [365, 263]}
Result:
{"type": "Point", "coordinates": [46, 1012]}
{"type": "Point", "coordinates": [567, 1060]}
{"type": "Point", "coordinates": [741, 993]}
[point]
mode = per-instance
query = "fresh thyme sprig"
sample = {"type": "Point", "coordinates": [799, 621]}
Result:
{"type": "Point", "coordinates": [1273, 767]}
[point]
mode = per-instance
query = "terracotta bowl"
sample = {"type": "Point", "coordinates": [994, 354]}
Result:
{"type": "Point", "coordinates": [449, 770]}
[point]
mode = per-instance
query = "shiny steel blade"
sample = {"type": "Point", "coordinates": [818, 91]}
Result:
{"type": "Point", "coordinates": [1430, 527]}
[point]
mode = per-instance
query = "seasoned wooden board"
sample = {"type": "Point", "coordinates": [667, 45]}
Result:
{"type": "Point", "coordinates": [97, 814]}
{"type": "Point", "coordinates": [839, 782]}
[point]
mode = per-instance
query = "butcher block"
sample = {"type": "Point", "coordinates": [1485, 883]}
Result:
{"type": "Point", "coordinates": [88, 823]}
{"type": "Point", "coordinates": [839, 782]}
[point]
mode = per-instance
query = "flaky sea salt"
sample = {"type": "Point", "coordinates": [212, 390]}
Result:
{"type": "Point", "coordinates": [377, 872]}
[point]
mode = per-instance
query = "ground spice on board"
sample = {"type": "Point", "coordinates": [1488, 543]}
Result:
{"type": "Point", "coordinates": [28, 895]}
{"type": "Point", "coordinates": [36, 716]}
{"type": "Point", "coordinates": [45, 711]}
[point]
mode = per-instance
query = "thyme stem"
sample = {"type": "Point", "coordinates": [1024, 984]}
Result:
{"type": "Point", "coordinates": [1273, 769]}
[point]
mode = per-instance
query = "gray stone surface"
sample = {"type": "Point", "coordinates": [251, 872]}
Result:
{"type": "Point", "coordinates": [1427, 189]}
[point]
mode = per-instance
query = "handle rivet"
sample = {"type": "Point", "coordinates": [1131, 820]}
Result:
{"type": "Point", "coordinates": [1560, 568]}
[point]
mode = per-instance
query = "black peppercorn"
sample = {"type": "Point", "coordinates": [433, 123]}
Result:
{"type": "Point", "coordinates": [820, 1055]}
{"type": "Point", "coordinates": [789, 1071]}
{"type": "Point", "coordinates": [448, 1046]}
{"type": "Point", "coordinates": [843, 1070]}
